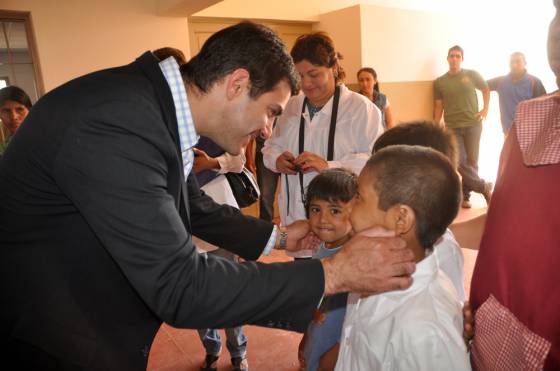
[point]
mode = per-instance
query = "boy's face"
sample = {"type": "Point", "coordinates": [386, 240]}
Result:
{"type": "Point", "coordinates": [365, 211]}
{"type": "Point", "coordinates": [330, 221]}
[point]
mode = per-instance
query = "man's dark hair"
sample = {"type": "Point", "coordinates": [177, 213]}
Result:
{"type": "Point", "coordinates": [421, 133]}
{"type": "Point", "coordinates": [456, 48]}
{"type": "Point", "coordinates": [424, 180]}
{"type": "Point", "coordinates": [318, 49]}
{"type": "Point", "coordinates": [247, 45]}
{"type": "Point", "coordinates": [332, 185]}
{"type": "Point", "coordinates": [15, 94]}
{"type": "Point", "coordinates": [166, 52]}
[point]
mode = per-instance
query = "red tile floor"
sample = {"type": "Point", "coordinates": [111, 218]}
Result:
{"type": "Point", "coordinates": [181, 350]}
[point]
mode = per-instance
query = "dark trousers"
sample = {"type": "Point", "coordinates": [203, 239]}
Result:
{"type": "Point", "coordinates": [268, 182]}
{"type": "Point", "coordinates": [468, 141]}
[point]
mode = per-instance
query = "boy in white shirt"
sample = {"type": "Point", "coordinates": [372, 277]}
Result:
{"type": "Point", "coordinates": [414, 191]}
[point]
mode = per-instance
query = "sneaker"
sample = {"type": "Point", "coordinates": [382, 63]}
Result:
{"type": "Point", "coordinates": [210, 363]}
{"type": "Point", "coordinates": [487, 193]}
{"type": "Point", "coordinates": [240, 364]}
{"type": "Point", "coordinates": [466, 204]}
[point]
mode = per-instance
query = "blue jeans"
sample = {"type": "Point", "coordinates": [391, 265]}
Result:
{"type": "Point", "coordinates": [468, 141]}
{"type": "Point", "coordinates": [268, 182]}
{"type": "Point", "coordinates": [236, 341]}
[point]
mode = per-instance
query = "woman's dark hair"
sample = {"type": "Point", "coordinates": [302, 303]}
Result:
{"type": "Point", "coordinates": [333, 185]}
{"type": "Point", "coordinates": [373, 73]}
{"type": "Point", "coordinates": [247, 45]}
{"type": "Point", "coordinates": [15, 94]}
{"type": "Point", "coordinates": [318, 49]}
{"type": "Point", "coordinates": [422, 179]}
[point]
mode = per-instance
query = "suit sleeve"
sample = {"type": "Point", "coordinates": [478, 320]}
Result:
{"type": "Point", "coordinates": [113, 166]}
{"type": "Point", "coordinates": [243, 235]}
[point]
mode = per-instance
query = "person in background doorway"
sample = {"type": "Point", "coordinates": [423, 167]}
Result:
{"type": "Point", "coordinates": [514, 88]}
{"type": "Point", "coordinates": [456, 100]}
{"type": "Point", "coordinates": [14, 108]}
{"type": "Point", "coordinates": [369, 86]}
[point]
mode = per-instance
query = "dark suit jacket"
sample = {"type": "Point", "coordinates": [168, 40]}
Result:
{"type": "Point", "coordinates": [95, 232]}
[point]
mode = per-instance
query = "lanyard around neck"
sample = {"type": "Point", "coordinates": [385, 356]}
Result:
{"type": "Point", "coordinates": [330, 145]}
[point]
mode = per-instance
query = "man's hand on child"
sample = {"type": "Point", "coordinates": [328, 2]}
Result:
{"type": "Point", "coordinates": [369, 265]}
{"type": "Point", "coordinates": [310, 162]}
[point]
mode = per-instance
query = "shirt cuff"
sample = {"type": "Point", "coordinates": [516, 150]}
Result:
{"type": "Point", "coordinates": [271, 241]}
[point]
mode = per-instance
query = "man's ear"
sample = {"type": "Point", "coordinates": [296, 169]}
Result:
{"type": "Point", "coordinates": [404, 218]}
{"type": "Point", "coordinates": [236, 83]}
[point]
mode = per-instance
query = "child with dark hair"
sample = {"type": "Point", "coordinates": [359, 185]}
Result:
{"type": "Point", "coordinates": [421, 133]}
{"type": "Point", "coordinates": [428, 134]}
{"type": "Point", "coordinates": [328, 204]}
{"type": "Point", "coordinates": [416, 192]}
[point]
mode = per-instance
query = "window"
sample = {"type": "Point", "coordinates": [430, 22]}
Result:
{"type": "Point", "coordinates": [18, 64]}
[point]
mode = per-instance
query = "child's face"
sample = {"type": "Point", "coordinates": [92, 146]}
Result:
{"type": "Point", "coordinates": [330, 221]}
{"type": "Point", "coordinates": [365, 210]}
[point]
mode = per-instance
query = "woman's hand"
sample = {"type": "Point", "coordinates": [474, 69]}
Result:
{"type": "Point", "coordinates": [285, 163]}
{"type": "Point", "coordinates": [203, 162]}
{"type": "Point", "coordinates": [310, 162]}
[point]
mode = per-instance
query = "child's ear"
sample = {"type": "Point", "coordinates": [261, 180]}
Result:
{"type": "Point", "coordinates": [405, 218]}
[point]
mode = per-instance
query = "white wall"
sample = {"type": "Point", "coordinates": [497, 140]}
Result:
{"type": "Point", "coordinates": [404, 45]}
{"type": "Point", "coordinates": [77, 37]}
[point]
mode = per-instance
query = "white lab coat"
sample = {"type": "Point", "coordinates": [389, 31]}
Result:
{"type": "Point", "coordinates": [358, 125]}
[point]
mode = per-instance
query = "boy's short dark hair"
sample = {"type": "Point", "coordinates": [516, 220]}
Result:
{"type": "Point", "coordinates": [15, 94]}
{"type": "Point", "coordinates": [421, 178]}
{"type": "Point", "coordinates": [333, 185]}
{"type": "Point", "coordinates": [247, 45]}
{"type": "Point", "coordinates": [421, 133]}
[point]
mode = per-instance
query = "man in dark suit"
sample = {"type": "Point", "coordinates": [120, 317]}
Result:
{"type": "Point", "coordinates": [98, 205]}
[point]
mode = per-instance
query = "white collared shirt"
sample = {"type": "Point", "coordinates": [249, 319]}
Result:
{"type": "Point", "coordinates": [451, 261]}
{"type": "Point", "coordinates": [358, 125]}
{"type": "Point", "coordinates": [416, 329]}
